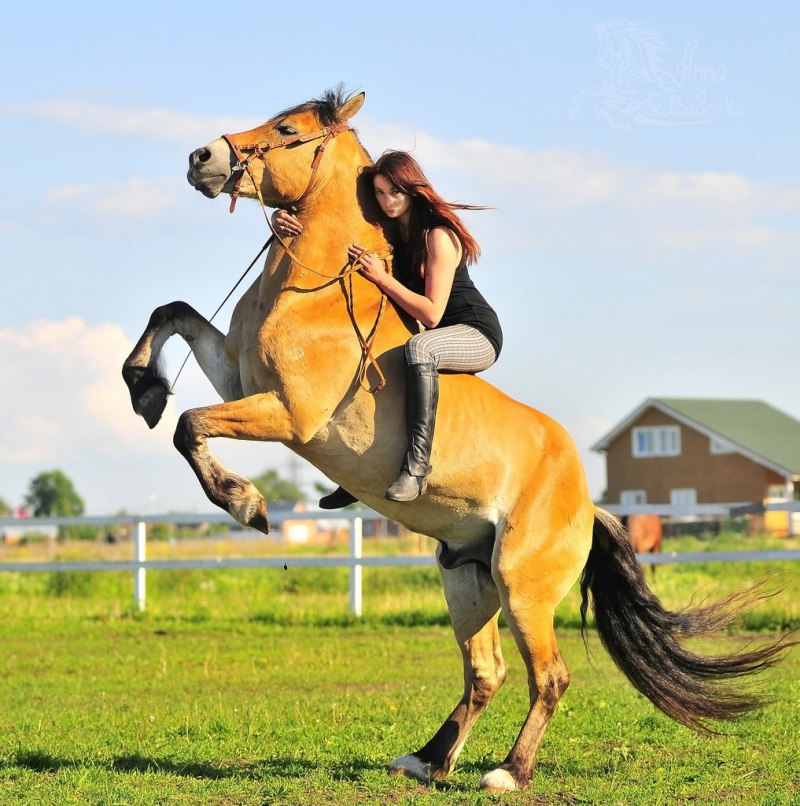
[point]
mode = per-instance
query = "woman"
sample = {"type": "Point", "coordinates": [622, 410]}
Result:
{"type": "Point", "coordinates": [432, 250]}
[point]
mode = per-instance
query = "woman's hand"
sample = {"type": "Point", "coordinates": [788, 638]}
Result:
{"type": "Point", "coordinates": [372, 267]}
{"type": "Point", "coordinates": [285, 224]}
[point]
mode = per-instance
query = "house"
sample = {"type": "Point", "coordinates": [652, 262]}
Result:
{"type": "Point", "coordinates": [685, 452]}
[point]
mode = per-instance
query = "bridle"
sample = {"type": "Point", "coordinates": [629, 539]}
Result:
{"type": "Point", "coordinates": [259, 150]}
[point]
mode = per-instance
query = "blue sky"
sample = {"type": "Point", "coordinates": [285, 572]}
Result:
{"type": "Point", "coordinates": [640, 160]}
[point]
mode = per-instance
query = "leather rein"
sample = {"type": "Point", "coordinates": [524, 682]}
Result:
{"type": "Point", "coordinates": [259, 150]}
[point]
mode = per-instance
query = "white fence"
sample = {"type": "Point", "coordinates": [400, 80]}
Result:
{"type": "Point", "coordinates": [354, 560]}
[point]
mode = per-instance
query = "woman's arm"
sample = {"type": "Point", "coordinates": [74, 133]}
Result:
{"type": "Point", "coordinates": [444, 255]}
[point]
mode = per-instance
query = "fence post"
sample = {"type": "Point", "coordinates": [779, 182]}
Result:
{"type": "Point", "coordinates": [356, 534]}
{"type": "Point", "coordinates": [139, 574]}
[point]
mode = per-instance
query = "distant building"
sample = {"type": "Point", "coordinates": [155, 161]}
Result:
{"type": "Point", "coordinates": [300, 524]}
{"type": "Point", "coordinates": [22, 529]}
{"type": "Point", "coordinates": [685, 452]}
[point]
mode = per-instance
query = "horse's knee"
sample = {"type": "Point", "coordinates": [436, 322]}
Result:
{"type": "Point", "coordinates": [550, 684]}
{"type": "Point", "coordinates": [187, 433]}
{"type": "Point", "coordinates": [485, 683]}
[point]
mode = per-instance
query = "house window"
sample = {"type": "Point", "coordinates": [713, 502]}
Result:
{"type": "Point", "coordinates": [683, 497]}
{"type": "Point", "coordinates": [632, 498]}
{"type": "Point", "coordinates": [656, 440]}
{"type": "Point", "coordinates": [720, 446]}
{"type": "Point", "coordinates": [780, 491]}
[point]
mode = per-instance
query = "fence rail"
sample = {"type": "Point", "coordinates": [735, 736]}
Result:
{"type": "Point", "coordinates": [354, 560]}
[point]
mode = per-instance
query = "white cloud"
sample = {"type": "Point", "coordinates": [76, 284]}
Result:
{"type": "Point", "coordinates": [726, 189]}
{"type": "Point", "coordinates": [164, 125]}
{"type": "Point", "coordinates": [65, 405]}
{"type": "Point", "coordinates": [63, 395]}
{"type": "Point", "coordinates": [561, 179]}
{"type": "Point", "coordinates": [553, 178]}
{"type": "Point", "coordinates": [134, 198]}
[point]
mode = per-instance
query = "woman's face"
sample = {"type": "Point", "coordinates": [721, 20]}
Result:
{"type": "Point", "coordinates": [392, 200]}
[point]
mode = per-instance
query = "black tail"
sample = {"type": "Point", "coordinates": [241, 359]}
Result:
{"type": "Point", "coordinates": [644, 638]}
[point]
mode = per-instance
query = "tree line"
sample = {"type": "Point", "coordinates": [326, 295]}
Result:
{"type": "Point", "coordinates": [52, 494]}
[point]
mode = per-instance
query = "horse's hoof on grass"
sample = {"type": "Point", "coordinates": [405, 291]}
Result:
{"type": "Point", "coordinates": [499, 780]}
{"type": "Point", "coordinates": [412, 767]}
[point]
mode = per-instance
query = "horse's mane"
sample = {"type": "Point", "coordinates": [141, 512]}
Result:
{"type": "Point", "coordinates": [326, 107]}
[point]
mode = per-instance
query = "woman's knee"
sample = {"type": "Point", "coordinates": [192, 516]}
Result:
{"type": "Point", "coordinates": [417, 351]}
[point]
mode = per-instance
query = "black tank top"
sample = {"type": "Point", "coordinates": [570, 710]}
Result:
{"type": "Point", "coordinates": [465, 306]}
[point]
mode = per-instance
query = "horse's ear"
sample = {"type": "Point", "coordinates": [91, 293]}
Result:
{"type": "Point", "coordinates": [351, 106]}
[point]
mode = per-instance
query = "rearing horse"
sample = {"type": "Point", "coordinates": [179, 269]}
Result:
{"type": "Point", "coordinates": [507, 499]}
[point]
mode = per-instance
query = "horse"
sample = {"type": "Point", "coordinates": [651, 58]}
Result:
{"type": "Point", "coordinates": [313, 359]}
{"type": "Point", "coordinates": [646, 532]}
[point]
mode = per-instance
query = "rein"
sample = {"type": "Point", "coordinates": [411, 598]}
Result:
{"type": "Point", "coordinates": [227, 297]}
{"type": "Point", "coordinates": [326, 134]}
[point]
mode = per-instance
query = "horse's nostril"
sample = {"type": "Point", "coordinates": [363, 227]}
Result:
{"type": "Point", "coordinates": [200, 155]}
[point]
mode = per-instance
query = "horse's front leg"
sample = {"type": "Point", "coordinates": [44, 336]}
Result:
{"type": "Point", "coordinates": [148, 387]}
{"type": "Point", "coordinates": [261, 417]}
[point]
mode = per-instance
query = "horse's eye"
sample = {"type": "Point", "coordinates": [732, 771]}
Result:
{"type": "Point", "coordinates": [286, 130]}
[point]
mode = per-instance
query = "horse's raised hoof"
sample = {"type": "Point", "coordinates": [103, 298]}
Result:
{"type": "Point", "coordinates": [260, 520]}
{"type": "Point", "coordinates": [412, 767]}
{"type": "Point", "coordinates": [245, 504]}
{"type": "Point", "coordinates": [149, 393]}
{"type": "Point", "coordinates": [251, 515]}
{"type": "Point", "coordinates": [499, 780]}
{"type": "Point", "coordinates": [152, 403]}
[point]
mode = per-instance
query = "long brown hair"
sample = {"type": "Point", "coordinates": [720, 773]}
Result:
{"type": "Point", "coordinates": [428, 210]}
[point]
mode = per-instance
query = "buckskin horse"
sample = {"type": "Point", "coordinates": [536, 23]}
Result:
{"type": "Point", "coordinates": [646, 533]}
{"type": "Point", "coordinates": [309, 345]}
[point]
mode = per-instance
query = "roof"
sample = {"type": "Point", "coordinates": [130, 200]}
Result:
{"type": "Point", "coordinates": [754, 428]}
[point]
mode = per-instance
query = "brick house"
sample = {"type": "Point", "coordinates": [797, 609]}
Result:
{"type": "Point", "coordinates": [688, 451]}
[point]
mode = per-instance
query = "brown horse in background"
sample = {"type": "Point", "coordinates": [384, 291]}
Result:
{"type": "Point", "coordinates": [305, 352]}
{"type": "Point", "coordinates": [646, 532]}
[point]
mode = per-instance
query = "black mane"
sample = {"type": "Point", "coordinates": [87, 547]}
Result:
{"type": "Point", "coordinates": [326, 107]}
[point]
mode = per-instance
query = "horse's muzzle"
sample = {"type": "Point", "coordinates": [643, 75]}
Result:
{"type": "Point", "coordinates": [210, 168]}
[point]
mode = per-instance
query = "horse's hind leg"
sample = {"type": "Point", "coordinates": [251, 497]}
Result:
{"type": "Point", "coordinates": [533, 576]}
{"type": "Point", "coordinates": [474, 607]}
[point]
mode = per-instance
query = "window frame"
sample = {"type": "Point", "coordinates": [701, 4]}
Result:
{"type": "Point", "coordinates": [635, 494]}
{"type": "Point", "coordinates": [664, 441]}
{"type": "Point", "coordinates": [683, 504]}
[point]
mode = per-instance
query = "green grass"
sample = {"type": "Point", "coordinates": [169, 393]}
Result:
{"type": "Point", "coordinates": [256, 687]}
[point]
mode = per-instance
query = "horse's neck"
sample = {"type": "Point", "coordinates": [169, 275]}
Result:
{"type": "Point", "coordinates": [332, 220]}
{"type": "Point", "coordinates": [323, 301]}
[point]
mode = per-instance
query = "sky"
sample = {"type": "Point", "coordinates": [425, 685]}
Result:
{"type": "Point", "coordinates": [640, 160]}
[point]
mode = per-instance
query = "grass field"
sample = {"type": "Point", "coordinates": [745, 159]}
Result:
{"type": "Point", "coordinates": [257, 687]}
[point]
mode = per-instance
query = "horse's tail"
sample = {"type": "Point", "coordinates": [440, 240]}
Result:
{"type": "Point", "coordinates": [644, 638]}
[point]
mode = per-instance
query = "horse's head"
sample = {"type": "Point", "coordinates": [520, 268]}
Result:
{"type": "Point", "coordinates": [279, 158]}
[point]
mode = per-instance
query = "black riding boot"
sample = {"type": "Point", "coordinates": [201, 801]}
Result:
{"type": "Point", "coordinates": [337, 499]}
{"type": "Point", "coordinates": [422, 398]}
